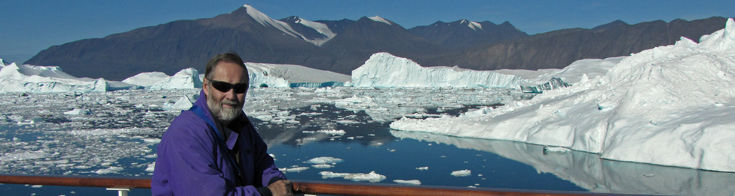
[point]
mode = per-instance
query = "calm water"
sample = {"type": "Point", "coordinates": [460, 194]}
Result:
{"type": "Point", "coordinates": [121, 141]}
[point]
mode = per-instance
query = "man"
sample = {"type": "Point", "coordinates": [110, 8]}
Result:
{"type": "Point", "coordinates": [213, 149]}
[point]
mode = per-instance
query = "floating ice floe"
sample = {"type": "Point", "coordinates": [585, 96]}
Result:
{"type": "Point", "coordinates": [322, 166]}
{"type": "Point", "coordinates": [411, 182]}
{"type": "Point", "coordinates": [78, 111]}
{"type": "Point", "coordinates": [422, 168]}
{"type": "Point", "coordinates": [324, 160]}
{"type": "Point", "coordinates": [184, 103]}
{"type": "Point", "coordinates": [151, 167]}
{"type": "Point", "coordinates": [293, 169]}
{"type": "Point", "coordinates": [370, 177]}
{"type": "Point", "coordinates": [462, 173]}
{"type": "Point", "coordinates": [110, 170]}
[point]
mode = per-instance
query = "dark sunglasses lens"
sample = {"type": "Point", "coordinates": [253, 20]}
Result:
{"type": "Point", "coordinates": [225, 87]}
{"type": "Point", "coordinates": [240, 88]}
{"type": "Point", "coordinates": [221, 86]}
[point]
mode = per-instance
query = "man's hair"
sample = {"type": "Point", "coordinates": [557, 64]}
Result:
{"type": "Point", "coordinates": [229, 57]}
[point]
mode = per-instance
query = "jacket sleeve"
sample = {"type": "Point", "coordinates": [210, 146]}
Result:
{"type": "Point", "coordinates": [264, 163]}
{"type": "Point", "coordinates": [186, 157]}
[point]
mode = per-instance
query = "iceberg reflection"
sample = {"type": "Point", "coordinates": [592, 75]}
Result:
{"type": "Point", "coordinates": [593, 173]}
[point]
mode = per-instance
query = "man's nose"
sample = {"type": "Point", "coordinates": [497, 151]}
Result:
{"type": "Point", "coordinates": [230, 94]}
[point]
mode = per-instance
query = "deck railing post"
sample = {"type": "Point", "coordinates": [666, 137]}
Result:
{"type": "Point", "coordinates": [120, 191]}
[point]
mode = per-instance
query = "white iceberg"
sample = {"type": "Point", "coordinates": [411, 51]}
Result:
{"type": "Point", "coordinates": [48, 79]}
{"type": "Point", "coordinates": [146, 78]}
{"type": "Point", "coordinates": [286, 75]}
{"type": "Point", "coordinates": [386, 70]}
{"type": "Point", "coordinates": [670, 105]}
{"type": "Point", "coordinates": [185, 79]}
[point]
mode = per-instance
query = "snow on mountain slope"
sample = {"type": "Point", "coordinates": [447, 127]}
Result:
{"type": "Point", "coordinates": [284, 75]}
{"type": "Point", "coordinates": [265, 20]}
{"type": "Point", "coordinates": [472, 24]}
{"type": "Point", "coordinates": [319, 27]}
{"type": "Point", "coordinates": [386, 70]}
{"type": "Point", "coordinates": [670, 105]}
{"type": "Point", "coordinates": [380, 19]}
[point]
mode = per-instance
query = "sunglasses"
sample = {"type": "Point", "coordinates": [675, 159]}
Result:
{"type": "Point", "coordinates": [225, 86]}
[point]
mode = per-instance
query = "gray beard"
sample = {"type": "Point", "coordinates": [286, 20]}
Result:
{"type": "Point", "coordinates": [221, 114]}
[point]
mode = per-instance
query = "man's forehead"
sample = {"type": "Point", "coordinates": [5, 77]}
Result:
{"type": "Point", "coordinates": [224, 70]}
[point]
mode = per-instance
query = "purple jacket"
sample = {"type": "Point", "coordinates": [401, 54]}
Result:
{"type": "Point", "coordinates": [191, 161]}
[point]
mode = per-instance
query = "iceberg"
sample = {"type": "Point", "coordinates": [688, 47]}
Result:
{"type": "Point", "coordinates": [386, 70]}
{"type": "Point", "coordinates": [285, 75]}
{"type": "Point", "coordinates": [146, 78]}
{"type": "Point", "coordinates": [49, 79]}
{"type": "Point", "coordinates": [670, 105]}
{"type": "Point", "coordinates": [185, 79]}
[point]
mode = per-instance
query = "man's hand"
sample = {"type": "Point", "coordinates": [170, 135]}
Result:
{"type": "Point", "coordinates": [281, 187]}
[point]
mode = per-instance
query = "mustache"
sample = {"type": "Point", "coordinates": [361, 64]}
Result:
{"type": "Point", "coordinates": [229, 102]}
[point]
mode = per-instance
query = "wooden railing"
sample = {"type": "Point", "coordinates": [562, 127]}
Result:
{"type": "Point", "coordinates": [301, 187]}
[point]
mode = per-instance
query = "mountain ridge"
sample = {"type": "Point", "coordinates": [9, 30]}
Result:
{"type": "Point", "coordinates": [180, 44]}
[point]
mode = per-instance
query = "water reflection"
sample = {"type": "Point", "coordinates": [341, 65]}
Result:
{"type": "Point", "coordinates": [589, 171]}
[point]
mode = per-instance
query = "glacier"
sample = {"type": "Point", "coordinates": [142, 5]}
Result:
{"type": "Point", "coordinates": [670, 105]}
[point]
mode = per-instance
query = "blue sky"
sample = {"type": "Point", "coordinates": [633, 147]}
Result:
{"type": "Point", "coordinates": [29, 26]}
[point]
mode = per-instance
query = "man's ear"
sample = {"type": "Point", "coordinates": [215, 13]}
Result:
{"type": "Point", "coordinates": [205, 86]}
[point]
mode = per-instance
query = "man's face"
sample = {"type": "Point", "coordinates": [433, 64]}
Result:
{"type": "Point", "coordinates": [226, 106]}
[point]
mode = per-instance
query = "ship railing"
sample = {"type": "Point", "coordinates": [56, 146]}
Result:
{"type": "Point", "coordinates": [124, 185]}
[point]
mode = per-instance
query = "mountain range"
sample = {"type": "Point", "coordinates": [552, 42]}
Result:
{"type": "Point", "coordinates": [343, 45]}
